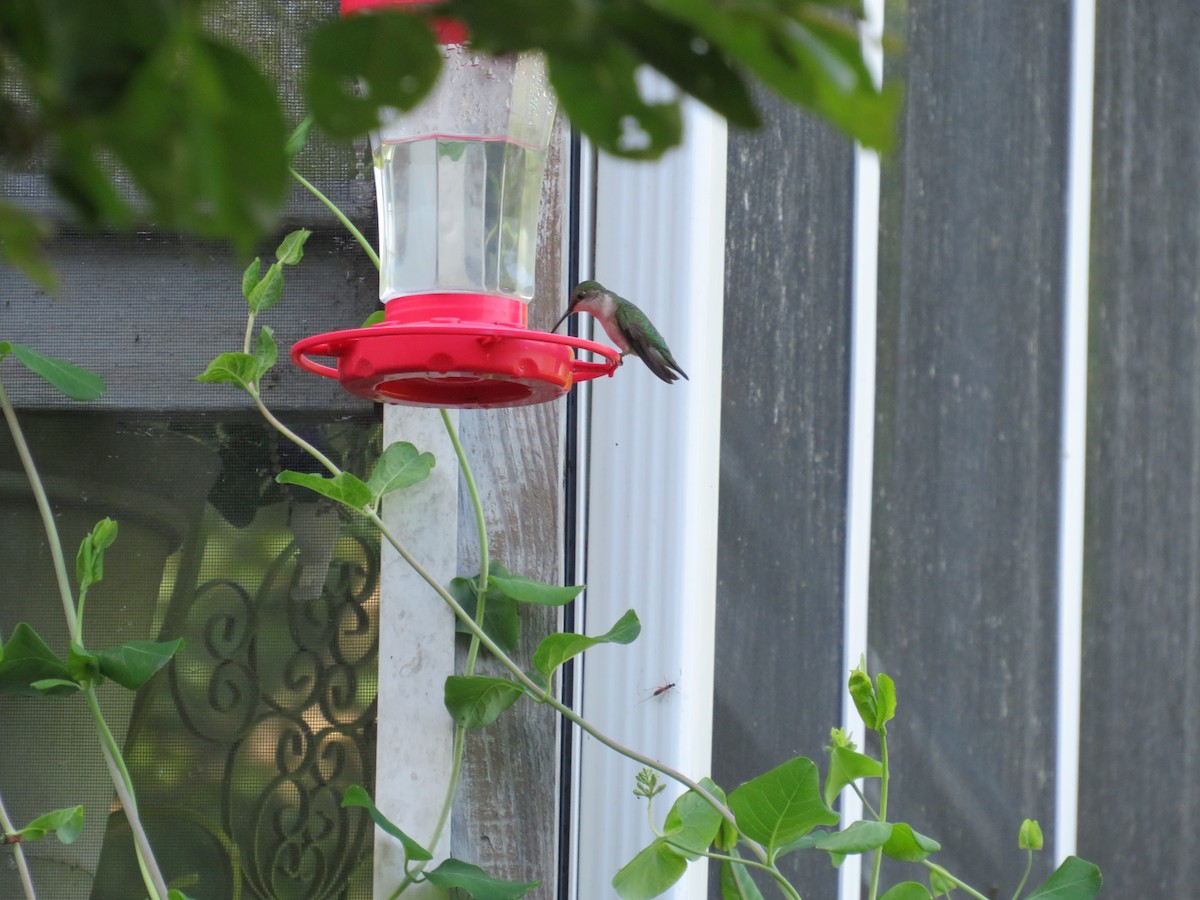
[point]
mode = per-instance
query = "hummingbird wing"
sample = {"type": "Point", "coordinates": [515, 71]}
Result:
{"type": "Point", "coordinates": [647, 344]}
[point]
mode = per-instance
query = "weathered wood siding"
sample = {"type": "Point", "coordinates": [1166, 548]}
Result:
{"type": "Point", "coordinates": [783, 452]}
{"type": "Point", "coordinates": [1139, 796]}
{"type": "Point", "coordinates": [963, 600]}
{"type": "Point", "coordinates": [506, 815]}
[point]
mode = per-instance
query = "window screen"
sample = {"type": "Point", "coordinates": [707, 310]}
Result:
{"type": "Point", "coordinates": [241, 748]}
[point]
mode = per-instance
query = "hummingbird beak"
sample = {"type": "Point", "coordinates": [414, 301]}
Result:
{"type": "Point", "coordinates": [563, 319]}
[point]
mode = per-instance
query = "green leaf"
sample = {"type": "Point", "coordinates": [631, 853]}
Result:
{"type": "Point", "coordinates": [175, 894]}
{"type": "Point", "coordinates": [266, 352]}
{"type": "Point", "coordinates": [65, 824]}
{"type": "Point", "coordinates": [858, 837]}
{"type": "Point", "coordinates": [1075, 879]}
{"type": "Point", "coordinates": [804, 842]}
{"type": "Point", "coordinates": [291, 249]}
{"type": "Point", "coordinates": [501, 621]}
{"type": "Point", "coordinates": [380, 315]}
{"type": "Point", "coordinates": [845, 767]}
{"type": "Point", "coordinates": [212, 160]}
{"type": "Point", "coordinates": [454, 873]}
{"type": "Point", "coordinates": [355, 796]}
{"type": "Point", "coordinates": [268, 291]}
{"type": "Point", "coordinates": [885, 693]}
{"type": "Point", "coordinates": [525, 590]}
{"type": "Point", "coordinates": [692, 823]}
{"type": "Point", "coordinates": [251, 276]}
{"type": "Point", "coordinates": [83, 665]}
{"type": "Point", "coordinates": [475, 701]}
{"type": "Point", "coordinates": [54, 686]}
{"type": "Point", "coordinates": [343, 487]}
{"type": "Point", "coordinates": [736, 883]}
{"type": "Point", "coordinates": [400, 465]}
{"type": "Point", "coordinates": [728, 836]}
{"type": "Point", "coordinates": [89, 561]}
{"type": "Point", "coordinates": [556, 649]}
{"type": "Point", "coordinates": [21, 236]}
{"type": "Point", "coordinates": [677, 50]}
{"type": "Point", "coordinates": [70, 379]}
{"type": "Point", "coordinates": [86, 183]}
{"type": "Point", "coordinates": [907, 890]}
{"type": "Point", "coordinates": [360, 63]}
{"type": "Point", "coordinates": [133, 663]}
{"type": "Point", "coordinates": [26, 661]}
{"type": "Point", "coordinates": [599, 91]}
{"type": "Point", "coordinates": [782, 805]}
{"type": "Point", "coordinates": [809, 57]}
{"type": "Point", "coordinates": [231, 368]}
{"type": "Point", "coordinates": [298, 138]}
{"type": "Point", "coordinates": [650, 873]}
{"type": "Point", "coordinates": [907, 845]}
{"type": "Point", "coordinates": [939, 884]}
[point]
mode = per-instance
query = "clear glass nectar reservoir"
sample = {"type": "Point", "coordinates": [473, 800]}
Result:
{"type": "Point", "coordinates": [459, 184]}
{"type": "Point", "coordinates": [459, 180]}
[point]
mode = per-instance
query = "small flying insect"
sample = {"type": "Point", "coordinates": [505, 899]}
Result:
{"type": "Point", "coordinates": [661, 691]}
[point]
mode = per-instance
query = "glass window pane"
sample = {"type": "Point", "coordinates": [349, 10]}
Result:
{"type": "Point", "coordinates": [242, 747]}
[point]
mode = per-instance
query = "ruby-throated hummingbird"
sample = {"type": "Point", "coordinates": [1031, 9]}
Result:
{"type": "Point", "coordinates": [626, 326]}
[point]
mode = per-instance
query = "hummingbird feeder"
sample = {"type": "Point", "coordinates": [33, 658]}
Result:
{"type": "Point", "coordinates": [459, 183]}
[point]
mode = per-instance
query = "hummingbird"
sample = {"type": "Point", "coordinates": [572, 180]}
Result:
{"type": "Point", "coordinates": [626, 326]}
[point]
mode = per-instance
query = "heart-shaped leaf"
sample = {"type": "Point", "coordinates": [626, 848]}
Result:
{"type": "Point", "coordinates": [133, 663]}
{"type": "Point", "coordinates": [400, 465]}
{"type": "Point", "coordinates": [454, 873]}
{"type": "Point", "coordinates": [556, 649]}
{"type": "Point", "coordinates": [782, 805]}
{"type": "Point", "coordinates": [355, 796]}
{"type": "Point", "coordinates": [343, 487]}
{"type": "Point", "coordinates": [475, 701]}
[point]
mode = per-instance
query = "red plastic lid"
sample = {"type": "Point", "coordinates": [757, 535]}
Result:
{"type": "Point", "coordinates": [470, 351]}
{"type": "Point", "coordinates": [449, 31]}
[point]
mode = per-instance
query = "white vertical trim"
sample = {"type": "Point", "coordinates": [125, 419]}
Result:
{"type": "Point", "coordinates": [416, 651]}
{"type": "Point", "coordinates": [653, 495]}
{"type": "Point", "coordinates": [861, 452]}
{"type": "Point", "coordinates": [1074, 425]}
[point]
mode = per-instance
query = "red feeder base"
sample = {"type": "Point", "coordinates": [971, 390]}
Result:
{"type": "Point", "coordinates": [470, 351]}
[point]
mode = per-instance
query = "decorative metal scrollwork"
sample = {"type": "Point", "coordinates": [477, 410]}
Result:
{"type": "Point", "coordinates": [263, 720]}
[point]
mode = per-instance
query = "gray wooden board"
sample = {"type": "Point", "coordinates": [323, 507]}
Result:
{"type": "Point", "coordinates": [963, 605]}
{"type": "Point", "coordinates": [149, 310]}
{"type": "Point", "coordinates": [506, 814]}
{"type": "Point", "coordinates": [1139, 796]}
{"type": "Point", "coordinates": [783, 455]}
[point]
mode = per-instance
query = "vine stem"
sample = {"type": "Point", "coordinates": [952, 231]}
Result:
{"type": "Point", "coordinates": [934, 867]}
{"type": "Point", "coordinates": [123, 784]}
{"type": "Point", "coordinates": [304, 445]}
{"type": "Point", "coordinates": [883, 810]}
{"type": "Point", "coordinates": [7, 827]}
{"type": "Point", "coordinates": [544, 696]}
{"type": "Point", "coordinates": [1025, 877]}
{"type": "Point", "coordinates": [530, 686]}
{"type": "Point", "coordinates": [341, 216]}
{"type": "Point", "coordinates": [108, 745]}
{"type": "Point", "coordinates": [783, 884]}
{"type": "Point", "coordinates": [47, 515]}
{"type": "Point", "coordinates": [476, 630]}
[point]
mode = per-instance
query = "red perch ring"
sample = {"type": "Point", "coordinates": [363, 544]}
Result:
{"type": "Point", "coordinates": [470, 351]}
